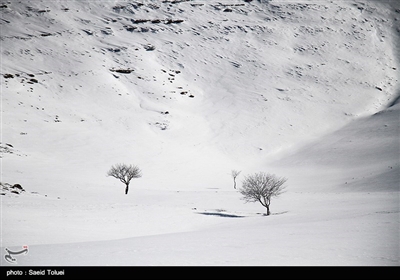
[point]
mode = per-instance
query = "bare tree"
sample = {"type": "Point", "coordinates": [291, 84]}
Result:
{"type": "Point", "coordinates": [262, 187]}
{"type": "Point", "coordinates": [234, 174]}
{"type": "Point", "coordinates": [125, 173]}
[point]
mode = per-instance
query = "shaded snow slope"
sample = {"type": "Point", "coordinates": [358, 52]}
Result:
{"type": "Point", "coordinates": [361, 156]}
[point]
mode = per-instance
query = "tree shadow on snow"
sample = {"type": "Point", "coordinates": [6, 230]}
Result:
{"type": "Point", "coordinates": [220, 213]}
{"type": "Point", "coordinates": [226, 215]}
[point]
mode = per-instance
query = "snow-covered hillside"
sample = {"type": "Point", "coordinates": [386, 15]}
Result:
{"type": "Point", "coordinates": [188, 91]}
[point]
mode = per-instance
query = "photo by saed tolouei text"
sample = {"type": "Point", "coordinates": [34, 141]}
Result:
{"type": "Point", "coordinates": [43, 272]}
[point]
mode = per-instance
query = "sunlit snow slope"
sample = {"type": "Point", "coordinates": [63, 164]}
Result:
{"type": "Point", "coordinates": [188, 91]}
{"type": "Point", "coordinates": [210, 87]}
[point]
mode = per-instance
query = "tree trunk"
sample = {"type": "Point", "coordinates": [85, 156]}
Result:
{"type": "Point", "coordinates": [268, 212]}
{"type": "Point", "coordinates": [126, 189]}
{"type": "Point", "coordinates": [234, 183]}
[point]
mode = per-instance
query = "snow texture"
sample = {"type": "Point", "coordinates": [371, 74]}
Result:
{"type": "Point", "coordinates": [189, 91]}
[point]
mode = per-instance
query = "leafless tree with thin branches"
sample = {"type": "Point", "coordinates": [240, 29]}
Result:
{"type": "Point", "coordinates": [262, 187]}
{"type": "Point", "coordinates": [125, 173]}
{"type": "Point", "coordinates": [234, 174]}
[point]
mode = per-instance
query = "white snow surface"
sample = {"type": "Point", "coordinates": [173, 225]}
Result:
{"type": "Point", "coordinates": [307, 90]}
